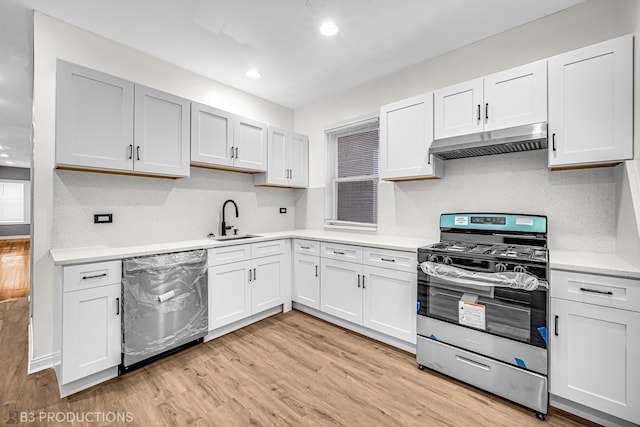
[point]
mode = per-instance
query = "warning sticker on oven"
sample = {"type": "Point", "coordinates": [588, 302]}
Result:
{"type": "Point", "coordinates": [470, 314]}
{"type": "Point", "coordinates": [524, 221]}
{"type": "Point", "coordinates": [461, 220]}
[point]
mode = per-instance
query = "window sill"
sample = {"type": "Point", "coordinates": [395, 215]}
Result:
{"type": "Point", "coordinates": [370, 229]}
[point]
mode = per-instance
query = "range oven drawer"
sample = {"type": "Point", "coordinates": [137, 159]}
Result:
{"type": "Point", "coordinates": [509, 351]}
{"type": "Point", "coordinates": [518, 385]}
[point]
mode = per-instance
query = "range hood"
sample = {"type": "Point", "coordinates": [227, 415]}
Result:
{"type": "Point", "coordinates": [510, 140]}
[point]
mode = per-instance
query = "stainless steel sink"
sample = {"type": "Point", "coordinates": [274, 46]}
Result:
{"type": "Point", "coordinates": [238, 237]}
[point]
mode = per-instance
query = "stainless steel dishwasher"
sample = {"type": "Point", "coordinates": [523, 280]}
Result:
{"type": "Point", "coordinates": [165, 305]}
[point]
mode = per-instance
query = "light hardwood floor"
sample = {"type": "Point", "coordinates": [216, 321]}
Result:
{"type": "Point", "coordinates": [14, 268]}
{"type": "Point", "coordinates": [291, 369]}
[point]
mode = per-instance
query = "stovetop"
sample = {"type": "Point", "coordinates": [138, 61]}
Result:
{"type": "Point", "coordinates": [489, 250]}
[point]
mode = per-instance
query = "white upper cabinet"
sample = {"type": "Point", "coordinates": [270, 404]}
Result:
{"type": "Point", "coordinates": [288, 160]}
{"type": "Point", "coordinates": [94, 119]}
{"type": "Point", "coordinates": [250, 145]}
{"type": "Point", "coordinates": [458, 109]}
{"type": "Point", "coordinates": [516, 97]}
{"type": "Point", "coordinates": [220, 139]}
{"type": "Point", "coordinates": [406, 133]}
{"type": "Point", "coordinates": [591, 104]}
{"type": "Point", "coordinates": [506, 99]}
{"type": "Point", "coordinates": [211, 135]}
{"type": "Point", "coordinates": [299, 160]}
{"type": "Point", "coordinates": [161, 135]}
{"type": "Point", "coordinates": [107, 123]}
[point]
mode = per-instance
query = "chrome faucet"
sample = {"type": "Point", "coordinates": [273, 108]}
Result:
{"type": "Point", "coordinates": [224, 224]}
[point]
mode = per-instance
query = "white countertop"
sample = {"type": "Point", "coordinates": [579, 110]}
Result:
{"type": "Point", "coordinates": [106, 253]}
{"type": "Point", "coordinates": [592, 262]}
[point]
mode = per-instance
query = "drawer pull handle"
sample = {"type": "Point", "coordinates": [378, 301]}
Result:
{"type": "Point", "coordinates": [117, 306]}
{"type": "Point", "coordinates": [595, 291]}
{"type": "Point", "coordinates": [249, 274]}
{"type": "Point", "coordinates": [358, 280]}
{"type": "Point", "coordinates": [97, 276]}
{"type": "Point", "coordinates": [316, 271]}
{"type": "Point", "coordinates": [388, 259]}
{"type": "Point", "coordinates": [254, 274]}
{"type": "Point", "coordinates": [555, 325]}
{"type": "Point", "coordinates": [305, 247]}
{"type": "Point", "coordinates": [363, 281]}
{"type": "Point", "coordinates": [338, 253]}
{"type": "Point", "coordinates": [473, 363]}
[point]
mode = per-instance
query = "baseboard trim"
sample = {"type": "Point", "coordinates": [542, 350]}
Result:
{"type": "Point", "coordinates": [14, 237]}
{"type": "Point", "coordinates": [37, 364]}
{"type": "Point", "coordinates": [223, 330]}
{"type": "Point", "coordinates": [378, 336]}
{"type": "Point", "coordinates": [588, 413]}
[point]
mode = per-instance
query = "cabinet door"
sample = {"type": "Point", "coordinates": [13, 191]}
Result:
{"type": "Point", "coordinates": [265, 283]}
{"type": "Point", "coordinates": [591, 104]}
{"type": "Point", "coordinates": [94, 119]}
{"type": "Point", "coordinates": [306, 280]}
{"type": "Point", "coordinates": [298, 160]}
{"type": "Point", "coordinates": [406, 133]}
{"type": "Point", "coordinates": [250, 142]}
{"type": "Point", "coordinates": [211, 135]}
{"type": "Point", "coordinates": [594, 352]}
{"type": "Point", "coordinates": [516, 97]}
{"type": "Point", "coordinates": [161, 133]}
{"type": "Point", "coordinates": [229, 293]}
{"type": "Point", "coordinates": [390, 302]}
{"type": "Point", "coordinates": [340, 289]}
{"type": "Point", "coordinates": [91, 334]}
{"type": "Point", "coordinates": [458, 109]}
{"type": "Point", "coordinates": [278, 157]}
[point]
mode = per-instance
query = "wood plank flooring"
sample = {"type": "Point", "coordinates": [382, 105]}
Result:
{"type": "Point", "coordinates": [288, 370]}
{"type": "Point", "coordinates": [14, 268]}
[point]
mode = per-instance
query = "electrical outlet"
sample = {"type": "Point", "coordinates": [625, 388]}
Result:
{"type": "Point", "coordinates": [283, 210]}
{"type": "Point", "coordinates": [103, 218]}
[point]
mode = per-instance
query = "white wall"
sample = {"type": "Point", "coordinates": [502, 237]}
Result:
{"type": "Point", "coordinates": [145, 209]}
{"type": "Point", "coordinates": [580, 204]}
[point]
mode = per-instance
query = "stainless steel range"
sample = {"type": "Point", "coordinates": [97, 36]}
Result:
{"type": "Point", "coordinates": [482, 304]}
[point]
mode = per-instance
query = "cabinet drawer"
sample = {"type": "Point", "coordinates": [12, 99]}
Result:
{"type": "Point", "coordinates": [309, 247]}
{"type": "Point", "coordinates": [608, 291]}
{"type": "Point", "coordinates": [271, 247]}
{"type": "Point", "coordinates": [341, 252]}
{"type": "Point", "coordinates": [85, 276]}
{"type": "Point", "coordinates": [227, 254]}
{"type": "Point", "coordinates": [396, 260]}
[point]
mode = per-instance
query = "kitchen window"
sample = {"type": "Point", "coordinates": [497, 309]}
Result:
{"type": "Point", "coordinates": [352, 174]}
{"type": "Point", "coordinates": [14, 202]}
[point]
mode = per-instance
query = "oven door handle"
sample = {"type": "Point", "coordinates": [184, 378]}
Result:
{"type": "Point", "coordinates": [477, 281]}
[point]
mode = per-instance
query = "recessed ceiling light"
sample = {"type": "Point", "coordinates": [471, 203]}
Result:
{"type": "Point", "coordinates": [4, 155]}
{"type": "Point", "coordinates": [329, 29]}
{"type": "Point", "coordinates": [8, 162]}
{"type": "Point", "coordinates": [253, 74]}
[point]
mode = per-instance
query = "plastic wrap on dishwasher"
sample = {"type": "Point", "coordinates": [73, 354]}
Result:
{"type": "Point", "coordinates": [165, 301]}
{"type": "Point", "coordinates": [507, 279]}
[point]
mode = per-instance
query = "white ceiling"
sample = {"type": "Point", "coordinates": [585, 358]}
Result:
{"type": "Point", "coordinates": [222, 39]}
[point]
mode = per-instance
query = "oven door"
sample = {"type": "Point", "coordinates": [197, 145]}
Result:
{"type": "Point", "coordinates": [514, 314]}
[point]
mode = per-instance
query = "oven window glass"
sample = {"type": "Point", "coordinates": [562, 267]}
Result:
{"type": "Point", "coordinates": [505, 319]}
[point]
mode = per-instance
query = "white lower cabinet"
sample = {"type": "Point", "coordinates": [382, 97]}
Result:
{"type": "Point", "coordinates": [229, 293]}
{"type": "Point", "coordinates": [389, 302]}
{"type": "Point", "coordinates": [363, 292]}
{"type": "Point", "coordinates": [340, 291]}
{"type": "Point", "coordinates": [91, 331]}
{"type": "Point", "coordinates": [594, 347]}
{"type": "Point", "coordinates": [306, 283]}
{"type": "Point", "coordinates": [240, 289]}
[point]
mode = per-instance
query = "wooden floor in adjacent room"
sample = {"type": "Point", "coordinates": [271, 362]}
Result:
{"type": "Point", "coordinates": [290, 369]}
{"type": "Point", "coordinates": [14, 268]}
